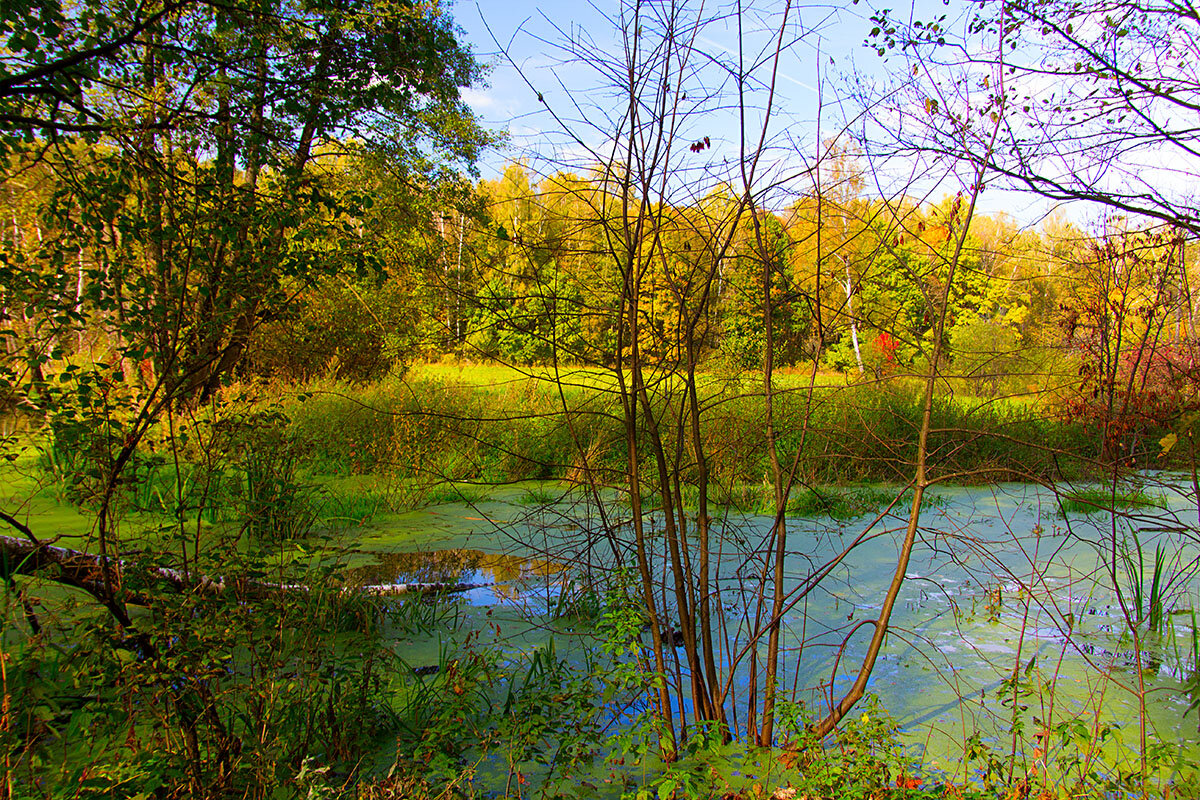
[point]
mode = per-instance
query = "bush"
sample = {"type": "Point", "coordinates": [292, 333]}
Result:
{"type": "Point", "coordinates": [214, 695]}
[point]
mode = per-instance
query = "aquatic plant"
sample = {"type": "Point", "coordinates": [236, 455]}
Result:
{"type": "Point", "coordinates": [540, 494]}
{"type": "Point", "coordinates": [283, 677]}
{"type": "Point", "coordinates": [353, 508]}
{"type": "Point", "coordinates": [1100, 500]}
{"type": "Point", "coordinates": [1148, 604]}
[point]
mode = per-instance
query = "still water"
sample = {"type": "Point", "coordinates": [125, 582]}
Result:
{"type": "Point", "coordinates": [1002, 584]}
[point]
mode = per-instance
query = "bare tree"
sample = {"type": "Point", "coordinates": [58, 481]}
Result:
{"type": "Point", "coordinates": [1099, 98]}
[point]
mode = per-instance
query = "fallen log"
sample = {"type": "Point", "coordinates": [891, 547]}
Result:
{"type": "Point", "coordinates": [86, 571]}
{"type": "Point", "coordinates": [388, 589]}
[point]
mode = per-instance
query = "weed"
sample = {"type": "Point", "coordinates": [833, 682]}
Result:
{"type": "Point", "coordinates": [503, 430]}
{"type": "Point", "coordinates": [443, 493]}
{"type": "Point", "coordinates": [540, 495]}
{"type": "Point", "coordinates": [840, 503]}
{"type": "Point", "coordinates": [425, 614]}
{"type": "Point", "coordinates": [352, 509]}
{"type": "Point", "coordinates": [285, 690]}
{"type": "Point", "coordinates": [1149, 605]}
{"type": "Point", "coordinates": [864, 761]}
{"type": "Point", "coordinates": [1098, 500]}
{"type": "Point", "coordinates": [581, 602]}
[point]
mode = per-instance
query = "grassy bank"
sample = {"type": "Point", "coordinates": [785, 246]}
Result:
{"type": "Point", "coordinates": [493, 425]}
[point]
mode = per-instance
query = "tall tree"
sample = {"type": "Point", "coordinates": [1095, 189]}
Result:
{"type": "Point", "coordinates": [198, 207]}
{"type": "Point", "coordinates": [183, 145]}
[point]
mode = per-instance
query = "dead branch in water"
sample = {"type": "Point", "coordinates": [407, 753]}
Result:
{"type": "Point", "coordinates": [85, 571]}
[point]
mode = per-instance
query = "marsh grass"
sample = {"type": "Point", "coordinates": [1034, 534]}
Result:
{"type": "Point", "coordinates": [447, 493]}
{"type": "Point", "coordinates": [849, 503]}
{"type": "Point", "coordinates": [58, 462]}
{"type": "Point", "coordinates": [579, 602]}
{"type": "Point", "coordinates": [1194, 640]}
{"type": "Point", "coordinates": [541, 495]}
{"type": "Point", "coordinates": [188, 492]}
{"type": "Point", "coordinates": [350, 501]}
{"type": "Point", "coordinates": [490, 424]}
{"type": "Point", "coordinates": [354, 508]}
{"type": "Point", "coordinates": [836, 502]}
{"type": "Point", "coordinates": [1149, 603]}
{"type": "Point", "coordinates": [442, 433]}
{"type": "Point", "coordinates": [425, 615]}
{"type": "Point", "coordinates": [1101, 500]}
{"type": "Point", "coordinates": [285, 676]}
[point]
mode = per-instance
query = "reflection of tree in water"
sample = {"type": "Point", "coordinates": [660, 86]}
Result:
{"type": "Point", "coordinates": [449, 566]}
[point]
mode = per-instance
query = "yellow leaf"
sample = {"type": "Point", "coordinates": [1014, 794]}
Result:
{"type": "Point", "coordinates": [1167, 442]}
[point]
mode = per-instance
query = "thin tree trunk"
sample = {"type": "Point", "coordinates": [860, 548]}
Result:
{"type": "Point", "coordinates": [853, 320]}
{"type": "Point", "coordinates": [920, 483]}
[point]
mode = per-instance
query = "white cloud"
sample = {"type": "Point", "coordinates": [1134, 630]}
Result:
{"type": "Point", "coordinates": [481, 101]}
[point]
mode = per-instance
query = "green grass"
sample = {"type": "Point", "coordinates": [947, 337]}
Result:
{"type": "Point", "coordinates": [1098, 500]}
{"type": "Point", "coordinates": [361, 499]}
{"type": "Point", "coordinates": [540, 495]}
{"type": "Point", "coordinates": [497, 424]}
{"type": "Point", "coordinates": [837, 502]}
{"type": "Point", "coordinates": [841, 503]}
{"type": "Point", "coordinates": [354, 509]}
{"type": "Point", "coordinates": [443, 431]}
{"type": "Point", "coordinates": [494, 375]}
{"type": "Point", "coordinates": [448, 493]}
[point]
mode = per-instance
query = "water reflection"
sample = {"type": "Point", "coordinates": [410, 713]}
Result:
{"type": "Point", "coordinates": [503, 577]}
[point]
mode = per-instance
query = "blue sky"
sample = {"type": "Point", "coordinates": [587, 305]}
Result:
{"type": "Point", "coordinates": [826, 51]}
{"type": "Point", "coordinates": [531, 30]}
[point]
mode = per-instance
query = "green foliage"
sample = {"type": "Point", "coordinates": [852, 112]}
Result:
{"type": "Point", "coordinates": [742, 342]}
{"type": "Point", "coordinates": [276, 505]}
{"type": "Point", "coordinates": [532, 323]}
{"type": "Point", "coordinates": [268, 190]}
{"type": "Point", "coordinates": [85, 436]}
{"type": "Point", "coordinates": [426, 615]}
{"type": "Point", "coordinates": [211, 694]}
{"type": "Point", "coordinates": [352, 331]}
{"type": "Point", "coordinates": [1077, 754]}
{"type": "Point", "coordinates": [180, 205]}
{"type": "Point", "coordinates": [864, 759]}
{"type": "Point", "coordinates": [552, 716]}
{"type": "Point", "coordinates": [989, 354]}
{"type": "Point", "coordinates": [188, 490]}
{"type": "Point", "coordinates": [432, 431]}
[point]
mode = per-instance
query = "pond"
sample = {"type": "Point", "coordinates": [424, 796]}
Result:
{"type": "Point", "coordinates": [1002, 585]}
